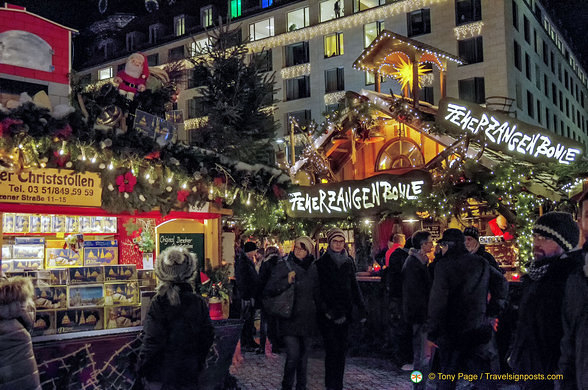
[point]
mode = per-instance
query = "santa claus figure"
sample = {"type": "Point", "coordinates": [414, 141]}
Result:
{"type": "Point", "coordinates": [134, 77]}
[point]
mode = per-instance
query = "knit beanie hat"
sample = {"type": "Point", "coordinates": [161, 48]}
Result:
{"type": "Point", "coordinates": [452, 235]}
{"type": "Point", "coordinates": [472, 231]}
{"type": "Point", "coordinates": [249, 246]}
{"type": "Point", "coordinates": [335, 232]}
{"type": "Point", "coordinates": [175, 264]}
{"type": "Point", "coordinates": [560, 227]}
{"type": "Point", "coordinates": [307, 241]}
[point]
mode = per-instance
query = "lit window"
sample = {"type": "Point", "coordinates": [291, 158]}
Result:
{"type": "Point", "coordinates": [298, 19]}
{"type": "Point", "coordinates": [235, 8]}
{"type": "Point", "coordinates": [266, 3]}
{"type": "Point", "coordinates": [262, 29]}
{"type": "Point", "coordinates": [371, 31]}
{"type": "Point", "coordinates": [331, 9]}
{"type": "Point", "coordinates": [179, 25]}
{"type": "Point", "coordinates": [333, 45]}
{"type": "Point", "coordinates": [105, 73]}
{"type": "Point", "coordinates": [362, 5]}
{"type": "Point", "coordinates": [402, 153]}
{"type": "Point", "coordinates": [200, 46]}
{"type": "Point", "coordinates": [207, 17]}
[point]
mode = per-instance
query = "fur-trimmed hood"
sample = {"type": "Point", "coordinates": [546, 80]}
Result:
{"type": "Point", "coordinates": [16, 297]}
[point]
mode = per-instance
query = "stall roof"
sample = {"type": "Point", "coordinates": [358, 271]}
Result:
{"type": "Point", "coordinates": [388, 43]}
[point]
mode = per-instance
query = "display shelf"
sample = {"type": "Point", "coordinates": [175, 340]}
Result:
{"type": "Point", "coordinates": [89, 333]}
{"type": "Point", "coordinates": [55, 234]}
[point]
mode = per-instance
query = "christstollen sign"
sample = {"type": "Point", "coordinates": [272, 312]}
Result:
{"type": "Point", "coordinates": [506, 134]}
{"type": "Point", "coordinates": [369, 196]}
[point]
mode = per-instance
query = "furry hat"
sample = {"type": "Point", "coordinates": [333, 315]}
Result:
{"type": "Point", "coordinates": [472, 231]}
{"type": "Point", "coordinates": [560, 227]}
{"type": "Point", "coordinates": [307, 241]}
{"type": "Point", "coordinates": [249, 246]}
{"type": "Point", "coordinates": [335, 232]}
{"type": "Point", "coordinates": [176, 265]}
{"type": "Point", "coordinates": [16, 300]}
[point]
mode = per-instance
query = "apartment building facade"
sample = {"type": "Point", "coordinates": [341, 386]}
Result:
{"type": "Point", "coordinates": [512, 48]}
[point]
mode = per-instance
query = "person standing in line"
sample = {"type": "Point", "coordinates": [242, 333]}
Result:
{"type": "Point", "coordinates": [339, 291]}
{"type": "Point", "coordinates": [472, 243]}
{"type": "Point", "coordinates": [415, 296]}
{"type": "Point", "coordinates": [268, 327]}
{"type": "Point", "coordinates": [18, 367]}
{"type": "Point", "coordinates": [536, 345]}
{"type": "Point", "coordinates": [177, 330]}
{"type": "Point", "coordinates": [246, 280]}
{"type": "Point", "coordinates": [459, 310]}
{"type": "Point", "coordinates": [573, 363]}
{"type": "Point", "coordinates": [396, 241]}
{"type": "Point", "coordinates": [297, 271]}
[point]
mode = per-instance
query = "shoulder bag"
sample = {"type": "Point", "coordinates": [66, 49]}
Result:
{"type": "Point", "coordinates": [282, 304]}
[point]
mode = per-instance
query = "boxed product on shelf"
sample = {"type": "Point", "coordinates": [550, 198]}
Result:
{"type": "Point", "coordinates": [85, 295]}
{"type": "Point", "coordinates": [6, 252]}
{"type": "Point", "coordinates": [109, 224]}
{"type": "Point", "coordinates": [28, 264]}
{"type": "Point", "coordinates": [23, 250]}
{"type": "Point", "coordinates": [58, 223]}
{"type": "Point", "coordinates": [58, 276]}
{"type": "Point", "coordinates": [78, 275]}
{"type": "Point", "coordinates": [7, 266]}
{"type": "Point", "coordinates": [96, 225]}
{"type": "Point", "coordinates": [78, 320]}
{"type": "Point", "coordinates": [34, 223]}
{"type": "Point", "coordinates": [50, 297]}
{"type": "Point", "coordinates": [21, 223]}
{"type": "Point", "coordinates": [100, 252]}
{"type": "Point", "coordinates": [85, 224]}
{"type": "Point", "coordinates": [122, 293]}
{"type": "Point", "coordinates": [147, 279]}
{"type": "Point", "coordinates": [8, 223]}
{"type": "Point", "coordinates": [71, 225]}
{"type": "Point", "coordinates": [122, 316]}
{"type": "Point", "coordinates": [46, 224]}
{"type": "Point", "coordinates": [44, 323]}
{"type": "Point", "coordinates": [120, 272]}
{"type": "Point", "coordinates": [57, 257]}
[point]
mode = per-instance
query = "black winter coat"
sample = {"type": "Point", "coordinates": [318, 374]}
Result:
{"type": "Point", "coordinates": [339, 290]}
{"type": "Point", "coordinates": [392, 275]}
{"type": "Point", "coordinates": [489, 258]}
{"type": "Point", "coordinates": [246, 278]}
{"type": "Point", "coordinates": [415, 290]}
{"type": "Point", "coordinates": [536, 345]}
{"type": "Point", "coordinates": [265, 271]}
{"type": "Point", "coordinates": [458, 304]}
{"type": "Point", "coordinates": [176, 339]}
{"type": "Point", "coordinates": [303, 320]}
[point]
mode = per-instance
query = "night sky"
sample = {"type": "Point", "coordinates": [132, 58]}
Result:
{"type": "Point", "coordinates": [572, 15]}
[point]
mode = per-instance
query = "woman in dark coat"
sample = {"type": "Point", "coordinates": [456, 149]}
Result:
{"type": "Point", "coordinates": [18, 368]}
{"type": "Point", "coordinates": [178, 330]}
{"type": "Point", "coordinates": [268, 325]}
{"type": "Point", "coordinates": [298, 271]}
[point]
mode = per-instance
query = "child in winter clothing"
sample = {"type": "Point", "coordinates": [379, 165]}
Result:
{"type": "Point", "coordinates": [18, 368]}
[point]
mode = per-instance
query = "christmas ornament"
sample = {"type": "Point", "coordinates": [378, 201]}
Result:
{"type": "Point", "coordinates": [110, 116]}
{"type": "Point", "coordinates": [151, 5]}
{"type": "Point", "coordinates": [133, 77]}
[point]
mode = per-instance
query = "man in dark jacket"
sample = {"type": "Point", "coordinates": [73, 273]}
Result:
{"type": "Point", "coordinates": [573, 363]}
{"type": "Point", "coordinates": [472, 243]}
{"type": "Point", "coordinates": [246, 280]}
{"type": "Point", "coordinates": [458, 309]}
{"type": "Point", "coordinates": [536, 346]}
{"type": "Point", "coordinates": [415, 295]}
{"type": "Point", "coordinates": [339, 291]}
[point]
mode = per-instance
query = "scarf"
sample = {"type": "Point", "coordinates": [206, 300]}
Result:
{"type": "Point", "coordinates": [417, 253]}
{"type": "Point", "coordinates": [538, 269]}
{"type": "Point", "coordinates": [338, 257]}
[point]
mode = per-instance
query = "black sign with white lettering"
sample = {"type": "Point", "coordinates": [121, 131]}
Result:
{"type": "Point", "coordinates": [366, 197]}
{"type": "Point", "coordinates": [507, 134]}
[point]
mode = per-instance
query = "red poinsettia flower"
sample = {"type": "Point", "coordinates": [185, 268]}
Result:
{"type": "Point", "coordinates": [183, 195]}
{"type": "Point", "coordinates": [126, 182]}
{"type": "Point", "coordinates": [153, 155]}
{"type": "Point", "coordinates": [60, 159]}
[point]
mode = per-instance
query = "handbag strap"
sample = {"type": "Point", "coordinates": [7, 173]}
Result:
{"type": "Point", "coordinates": [285, 260]}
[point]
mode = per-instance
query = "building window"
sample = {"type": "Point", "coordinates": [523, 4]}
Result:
{"type": "Point", "coordinates": [517, 55]}
{"type": "Point", "coordinates": [199, 47]}
{"type": "Point", "coordinates": [298, 19]}
{"type": "Point", "coordinates": [552, 62]}
{"type": "Point", "coordinates": [472, 90]}
{"type": "Point", "coordinates": [196, 77]}
{"type": "Point", "coordinates": [153, 33]}
{"type": "Point", "coordinates": [548, 119]}
{"type": "Point", "coordinates": [297, 53]}
{"type": "Point", "coordinates": [153, 59]}
{"type": "Point", "coordinates": [262, 29]}
{"type": "Point", "coordinates": [263, 60]}
{"type": "Point", "coordinates": [528, 66]}
{"type": "Point", "coordinates": [539, 111]}
{"type": "Point", "coordinates": [85, 79]}
{"type": "Point", "coordinates": [333, 45]}
{"type": "Point", "coordinates": [130, 41]}
{"type": "Point", "coordinates": [370, 78]}
{"type": "Point", "coordinates": [105, 73]}
{"type": "Point", "coordinates": [235, 8]}
{"type": "Point", "coordinates": [419, 22]}
{"type": "Point", "coordinates": [362, 5]}
{"type": "Point", "coordinates": [403, 153]}
{"type": "Point", "coordinates": [179, 25]}
{"type": "Point", "coordinates": [519, 96]}
{"type": "Point", "coordinates": [545, 85]}
{"type": "Point", "coordinates": [302, 117]}
{"type": "Point", "coordinates": [560, 101]}
{"type": "Point", "coordinates": [331, 108]}
{"type": "Point", "coordinates": [331, 9]}
{"type": "Point", "coordinates": [515, 15]}
{"type": "Point", "coordinates": [427, 95]}
{"type": "Point", "coordinates": [371, 31]}
{"type": "Point", "coordinates": [266, 3]}
{"type": "Point", "coordinates": [206, 17]}
{"type": "Point", "coordinates": [196, 108]}
{"type": "Point", "coordinates": [530, 110]}
{"type": "Point", "coordinates": [298, 88]}
{"type": "Point", "coordinates": [176, 53]}
{"type": "Point", "coordinates": [554, 94]}
{"type": "Point", "coordinates": [527, 29]}
{"type": "Point", "coordinates": [334, 80]}
{"type": "Point", "coordinates": [471, 50]}
{"type": "Point", "coordinates": [545, 54]}
{"type": "Point", "coordinates": [537, 77]}
{"type": "Point", "coordinates": [467, 11]}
